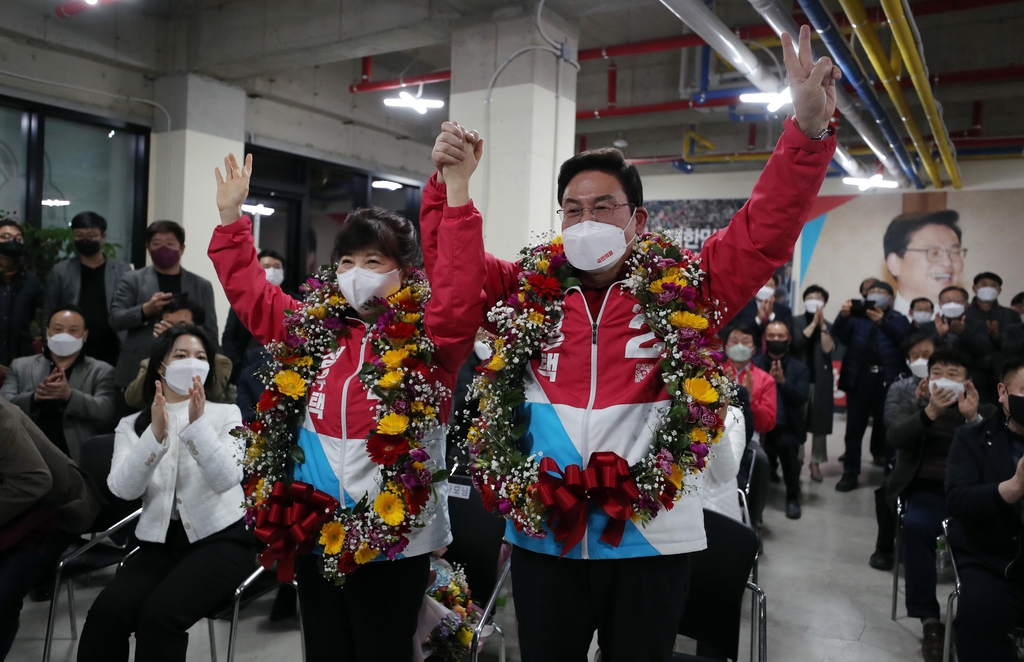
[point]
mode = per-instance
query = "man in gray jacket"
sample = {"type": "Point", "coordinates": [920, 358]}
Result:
{"type": "Point", "coordinates": [144, 292]}
{"type": "Point", "coordinates": [88, 280]}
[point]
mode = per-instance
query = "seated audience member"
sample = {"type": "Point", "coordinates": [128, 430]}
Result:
{"type": "Point", "coordinates": [19, 295]}
{"type": "Point", "coordinates": [178, 454]}
{"type": "Point", "coordinates": [761, 310]}
{"type": "Point", "coordinates": [984, 487]}
{"type": "Point", "coordinates": [70, 396]}
{"type": "Point", "coordinates": [143, 293]}
{"type": "Point", "coordinates": [793, 385]}
{"type": "Point", "coordinates": [237, 341]}
{"type": "Point", "coordinates": [922, 432]}
{"type": "Point", "coordinates": [1017, 304]}
{"type": "Point", "coordinates": [983, 336]}
{"type": "Point", "coordinates": [88, 280]}
{"type": "Point", "coordinates": [44, 501]}
{"type": "Point", "coordinates": [813, 344]}
{"type": "Point", "coordinates": [872, 336]}
{"type": "Point", "coordinates": [922, 314]}
{"type": "Point", "coordinates": [720, 484]}
{"type": "Point", "coordinates": [182, 312]}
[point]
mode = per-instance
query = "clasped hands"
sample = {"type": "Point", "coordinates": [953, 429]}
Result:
{"type": "Point", "coordinates": [54, 387]}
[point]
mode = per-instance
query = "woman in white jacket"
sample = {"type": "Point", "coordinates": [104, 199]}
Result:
{"type": "Point", "coordinates": [180, 457]}
{"type": "Point", "coordinates": [720, 484]}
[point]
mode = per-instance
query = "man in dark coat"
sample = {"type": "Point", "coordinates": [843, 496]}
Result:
{"type": "Point", "coordinates": [760, 311]}
{"type": "Point", "coordinates": [20, 293]}
{"type": "Point", "coordinates": [813, 344]}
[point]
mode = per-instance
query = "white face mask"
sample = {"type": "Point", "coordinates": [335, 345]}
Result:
{"type": "Point", "coordinates": [956, 387]}
{"type": "Point", "coordinates": [918, 368]}
{"type": "Point", "coordinates": [813, 305]}
{"type": "Point", "coordinates": [988, 294]}
{"type": "Point", "coordinates": [360, 285]}
{"type": "Point", "coordinates": [64, 344]}
{"type": "Point", "coordinates": [766, 292]}
{"type": "Point", "coordinates": [881, 300]}
{"type": "Point", "coordinates": [275, 275]}
{"type": "Point", "coordinates": [739, 353]}
{"type": "Point", "coordinates": [178, 374]}
{"type": "Point", "coordinates": [952, 310]}
{"type": "Point", "coordinates": [922, 316]}
{"type": "Point", "coordinates": [595, 247]}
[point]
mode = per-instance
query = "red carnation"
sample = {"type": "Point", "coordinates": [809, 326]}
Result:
{"type": "Point", "coordinates": [487, 497]}
{"type": "Point", "coordinates": [268, 400]}
{"type": "Point", "coordinates": [256, 427]}
{"type": "Point", "coordinates": [399, 330]}
{"type": "Point", "coordinates": [347, 563]}
{"type": "Point", "coordinates": [545, 286]}
{"type": "Point", "coordinates": [418, 497]}
{"type": "Point", "coordinates": [386, 448]}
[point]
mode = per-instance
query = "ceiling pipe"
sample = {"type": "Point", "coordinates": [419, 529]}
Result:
{"type": "Point", "coordinates": [398, 83]}
{"type": "Point", "coordinates": [612, 84]}
{"type": "Point", "coordinates": [73, 7]}
{"type": "Point", "coordinates": [883, 67]}
{"type": "Point", "coordinates": [910, 50]}
{"type": "Point", "coordinates": [781, 21]}
{"type": "Point", "coordinates": [682, 104]}
{"type": "Point", "coordinates": [367, 69]}
{"type": "Point", "coordinates": [852, 71]}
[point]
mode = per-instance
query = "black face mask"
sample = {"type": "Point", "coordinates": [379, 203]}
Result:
{"type": "Point", "coordinates": [87, 247]}
{"type": "Point", "coordinates": [778, 346]}
{"type": "Point", "coordinates": [13, 249]}
{"type": "Point", "coordinates": [1016, 403]}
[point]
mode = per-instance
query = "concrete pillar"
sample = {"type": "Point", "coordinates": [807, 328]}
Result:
{"type": "Point", "coordinates": [207, 122]}
{"type": "Point", "coordinates": [529, 127]}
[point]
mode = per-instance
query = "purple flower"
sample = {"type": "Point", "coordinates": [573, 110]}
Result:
{"type": "Point", "coordinates": [333, 323]}
{"type": "Point", "coordinates": [293, 340]}
{"type": "Point", "coordinates": [425, 477]}
{"type": "Point", "coordinates": [504, 506]}
{"type": "Point", "coordinates": [314, 284]}
{"type": "Point", "coordinates": [645, 502]}
{"type": "Point", "coordinates": [400, 406]}
{"type": "Point", "coordinates": [419, 455]}
{"type": "Point", "coordinates": [709, 419]}
{"type": "Point", "coordinates": [396, 549]}
{"type": "Point", "coordinates": [250, 517]}
{"type": "Point", "coordinates": [411, 480]}
{"type": "Point", "coordinates": [557, 261]}
{"type": "Point", "coordinates": [699, 449]}
{"type": "Point", "coordinates": [664, 459]}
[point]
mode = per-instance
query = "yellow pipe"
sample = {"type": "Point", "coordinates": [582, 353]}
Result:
{"type": "Point", "coordinates": [896, 60]}
{"type": "Point", "coordinates": [915, 66]}
{"type": "Point", "coordinates": [869, 39]}
{"type": "Point", "coordinates": [700, 140]}
{"type": "Point", "coordinates": [726, 158]}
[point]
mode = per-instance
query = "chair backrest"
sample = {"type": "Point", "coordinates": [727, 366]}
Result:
{"type": "Point", "coordinates": [96, 454]}
{"type": "Point", "coordinates": [477, 537]}
{"type": "Point", "coordinates": [718, 579]}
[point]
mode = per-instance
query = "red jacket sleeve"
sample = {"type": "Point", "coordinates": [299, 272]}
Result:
{"type": "Point", "coordinates": [741, 257]}
{"type": "Point", "coordinates": [763, 401]}
{"type": "Point", "coordinates": [431, 207]}
{"type": "Point", "coordinates": [259, 304]}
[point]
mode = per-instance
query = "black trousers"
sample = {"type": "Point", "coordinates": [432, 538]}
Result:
{"type": "Point", "coordinates": [372, 618]}
{"type": "Point", "coordinates": [162, 591]}
{"type": "Point", "coordinates": [783, 447]}
{"type": "Point", "coordinates": [634, 604]}
{"type": "Point", "coordinates": [865, 400]}
{"type": "Point", "coordinates": [21, 570]}
{"type": "Point", "coordinates": [989, 608]}
{"type": "Point", "coordinates": [759, 480]}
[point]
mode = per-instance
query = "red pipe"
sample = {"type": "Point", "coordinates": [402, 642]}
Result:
{"type": "Point", "coordinates": [684, 104]}
{"type": "Point", "coordinates": [976, 77]}
{"type": "Point", "coordinates": [78, 6]}
{"type": "Point", "coordinates": [397, 83]}
{"type": "Point", "coordinates": [583, 142]}
{"type": "Point", "coordinates": [367, 68]}
{"type": "Point", "coordinates": [612, 84]}
{"type": "Point", "coordinates": [752, 136]}
{"type": "Point", "coordinates": [977, 109]}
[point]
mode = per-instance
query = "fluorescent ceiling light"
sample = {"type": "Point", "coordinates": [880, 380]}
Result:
{"type": "Point", "coordinates": [775, 100]}
{"type": "Point", "coordinates": [389, 185]}
{"type": "Point", "coordinates": [56, 203]}
{"type": "Point", "coordinates": [406, 100]}
{"type": "Point", "coordinates": [91, 2]}
{"type": "Point", "coordinates": [875, 181]}
{"type": "Point", "coordinates": [620, 143]}
{"type": "Point", "coordinates": [258, 209]}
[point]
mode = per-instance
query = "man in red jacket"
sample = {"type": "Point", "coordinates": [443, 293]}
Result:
{"type": "Point", "coordinates": [632, 592]}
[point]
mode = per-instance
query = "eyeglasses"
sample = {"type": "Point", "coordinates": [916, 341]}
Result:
{"type": "Point", "coordinates": [10, 236]}
{"type": "Point", "coordinates": [934, 253]}
{"type": "Point", "coordinates": [603, 212]}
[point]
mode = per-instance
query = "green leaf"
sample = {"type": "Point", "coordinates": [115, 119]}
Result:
{"type": "Point", "coordinates": [519, 430]}
{"type": "Point", "coordinates": [298, 454]}
{"type": "Point", "coordinates": [515, 399]}
{"type": "Point", "coordinates": [672, 388]}
{"type": "Point", "coordinates": [440, 476]}
{"type": "Point", "coordinates": [572, 281]}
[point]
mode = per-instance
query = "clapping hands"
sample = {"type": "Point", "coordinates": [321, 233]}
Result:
{"type": "Point", "coordinates": [54, 387]}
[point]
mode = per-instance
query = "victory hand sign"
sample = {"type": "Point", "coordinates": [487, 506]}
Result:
{"type": "Point", "coordinates": [811, 84]}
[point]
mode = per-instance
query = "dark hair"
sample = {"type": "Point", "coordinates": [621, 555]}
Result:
{"type": "Point", "coordinates": [881, 285]}
{"type": "Point", "coordinates": [198, 312]}
{"type": "Point", "coordinates": [392, 233]}
{"type": "Point", "coordinates": [950, 356]}
{"type": "Point", "coordinates": [990, 276]}
{"type": "Point", "coordinates": [919, 300]}
{"type": "Point", "coordinates": [778, 321]}
{"type": "Point", "coordinates": [12, 223]}
{"type": "Point", "coordinates": [1013, 365]}
{"type": "Point", "coordinates": [271, 253]}
{"type": "Point", "coordinates": [742, 328]}
{"type": "Point", "coordinates": [967, 297]}
{"type": "Point", "coordinates": [161, 348]}
{"type": "Point", "coordinates": [916, 339]}
{"type": "Point", "coordinates": [898, 234]}
{"type": "Point", "coordinates": [609, 161]}
{"type": "Point", "coordinates": [816, 289]}
{"type": "Point", "coordinates": [89, 219]}
{"type": "Point", "coordinates": [70, 308]}
{"type": "Point", "coordinates": [1018, 299]}
{"type": "Point", "coordinates": [165, 226]}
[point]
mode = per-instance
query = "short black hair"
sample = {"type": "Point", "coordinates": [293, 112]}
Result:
{"type": "Point", "coordinates": [1012, 365]}
{"type": "Point", "coordinates": [1018, 299]}
{"type": "Point", "coordinates": [898, 234]}
{"type": "Point", "coordinates": [916, 339]}
{"type": "Point", "coordinates": [990, 276]}
{"type": "Point", "coordinates": [386, 230]}
{"type": "Point", "coordinates": [89, 219]}
{"type": "Point", "coordinates": [607, 160]}
{"type": "Point", "coordinates": [267, 252]}
{"type": "Point", "coordinates": [967, 297]}
{"type": "Point", "coordinates": [198, 312]}
{"type": "Point", "coordinates": [816, 289]}
{"type": "Point", "coordinates": [742, 328]}
{"type": "Point", "coordinates": [922, 300]}
{"type": "Point", "coordinates": [950, 356]}
{"type": "Point", "coordinates": [10, 222]}
{"type": "Point", "coordinates": [882, 285]}
{"type": "Point", "coordinates": [165, 226]}
{"type": "Point", "coordinates": [70, 308]}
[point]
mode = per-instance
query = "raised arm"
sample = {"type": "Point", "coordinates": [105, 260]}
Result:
{"type": "Point", "coordinates": [260, 305]}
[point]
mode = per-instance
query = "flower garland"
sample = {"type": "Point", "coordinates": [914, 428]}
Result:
{"type": "Point", "coordinates": [450, 639]}
{"type": "Point", "coordinates": [408, 408]}
{"type": "Point", "coordinates": [666, 282]}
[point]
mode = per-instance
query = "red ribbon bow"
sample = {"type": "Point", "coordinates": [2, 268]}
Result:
{"type": "Point", "coordinates": [605, 481]}
{"type": "Point", "coordinates": [289, 523]}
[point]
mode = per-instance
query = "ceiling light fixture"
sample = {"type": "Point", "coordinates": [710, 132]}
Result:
{"type": "Point", "coordinates": [775, 100]}
{"type": "Point", "coordinates": [91, 2]}
{"type": "Point", "coordinates": [875, 181]}
{"type": "Point", "coordinates": [56, 203]}
{"type": "Point", "coordinates": [111, 134]}
{"type": "Point", "coordinates": [259, 209]}
{"type": "Point", "coordinates": [620, 143]}
{"type": "Point", "coordinates": [406, 100]}
{"type": "Point", "coordinates": [386, 184]}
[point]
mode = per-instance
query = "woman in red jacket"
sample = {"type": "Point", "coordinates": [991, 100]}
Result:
{"type": "Point", "coordinates": [364, 367]}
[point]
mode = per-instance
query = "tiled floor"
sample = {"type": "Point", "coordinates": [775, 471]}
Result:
{"type": "Point", "coordinates": [824, 601]}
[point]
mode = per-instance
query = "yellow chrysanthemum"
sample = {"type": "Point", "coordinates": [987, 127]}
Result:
{"type": "Point", "coordinates": [332, 535]}
{"type": "Point", "coordinates": [290, 383]}
{"type": "Point", "coordinates": [391, 379]}
{"type": "Point", "coordinates": [699, 436]}
{"type": "Point", "coordinates": [499, 344]}
{"type": "Point", "coordinates": [522, 298]}
{"type": "Point", "coordinates": [557, 241]}
{"type": "Point", "coordinates": [393, 424]}
{"type": "Point", "coordinates": [393, 358]}
{"type": "Point", "coordinates": [304, 361]}
{"type": "Point", "coordinates": [390, 508]}
{"type": "Point", "coordinates": [254, 452]}
{"type": "Point", "coordinates": [418, 465]}
{"type": "Point", "coordinates": [410, 318]}
{"type": "Point", "coordinates": [365, 555]}
{"type": "Point", "coordinates": [542, 266]}
{"type": "Point", "coordinates": [701, 390]}
{"type": "Point", "coordinates": [497, 363]}
{"type": "Point", "coordinates": [318, 312]}
{"type": "Point", "coordinates": [686, 320]}
{"type": "Point", "coordinates": [676, 477]}
{"type": "Point", "coordinates": [404, 294]}
{"type": "Point", "coordinates": [465, 636]}
{"type": "Point", "coordinates": [536, 317]}
{"type": "Point", "coordinates": [334, 300]}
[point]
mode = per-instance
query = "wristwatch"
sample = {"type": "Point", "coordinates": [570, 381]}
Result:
{"type": "Point", "coordinates": [827, 131]}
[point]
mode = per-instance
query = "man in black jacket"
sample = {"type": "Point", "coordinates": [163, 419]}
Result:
{"type": "Point", "coordinates": [792, 387]}
{"type": "Point", "coordinates": [19, 295]}
{"type": "Point", "coordinates": [984, 487]}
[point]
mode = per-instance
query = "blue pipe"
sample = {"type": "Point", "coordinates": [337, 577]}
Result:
{"type": "Point", "coordinates": [683, 166]}
{"type": "Point", "coordinates": [987, 151]}
{"type": "Point", "coordinates": [822, 21]}
{"type": "Point", "coordinates": [705, 69]}
{"type": "Point", "coordinates": [751, 117]}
